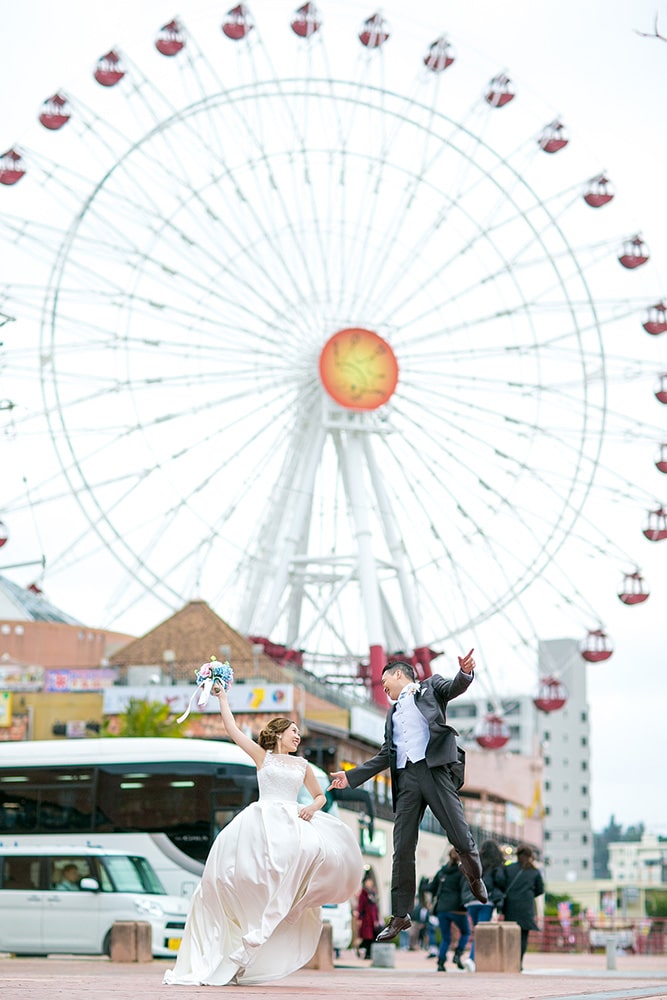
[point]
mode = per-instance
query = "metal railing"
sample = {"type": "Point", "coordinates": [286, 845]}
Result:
{"type": "Point", "coordinates": [641, 936]}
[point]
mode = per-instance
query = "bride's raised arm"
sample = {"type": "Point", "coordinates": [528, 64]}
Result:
{"type": "Point", "coordinates": [253, 749]}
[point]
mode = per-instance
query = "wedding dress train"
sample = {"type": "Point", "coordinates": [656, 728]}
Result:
{"type": "Point", "coordinates": [255, 915]}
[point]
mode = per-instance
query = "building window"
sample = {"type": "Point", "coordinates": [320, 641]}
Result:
{"type": "Point", "coordinates": [547, 786]}
{"type": "Point", "coordinates": [584, 838]}
{"type": "Point", "coordinates": [547, 835]}
{"type": "Point", "coordinates": [547, 810]}
{"type": "Point", "coordinates": [547, 761]}
{"type": "Point", "coordinates": [547, 736]}
{"type": "Point", "coordinates": [584, 741]}
{"type": "Point", "coordinates": [584, 813]}
{"type": "Point", "coordinates": [584, 716]}
{"type": "Point", "coordinates": [462, 711]}
{"type": "Point", "coordinates": [584, 789]}
{"type": "Point", "coordinates": [584, 765]}
{"type": "Point", "coordinates": [584, 863]}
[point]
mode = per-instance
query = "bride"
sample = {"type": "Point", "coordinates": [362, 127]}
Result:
{"type": "Point", "coordinates": [255, 915]}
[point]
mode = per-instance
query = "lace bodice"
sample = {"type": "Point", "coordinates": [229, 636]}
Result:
{"type": "Point", "coordinates": [281, 777]}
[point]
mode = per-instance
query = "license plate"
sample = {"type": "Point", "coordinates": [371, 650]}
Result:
{"type": "Point", "coordinates": [173, 944]}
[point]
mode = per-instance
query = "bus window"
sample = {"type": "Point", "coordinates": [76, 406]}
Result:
{"type": "Point", "coordinates": [45, 799]}
{"type": "Point", "coordinates": [178, 800]}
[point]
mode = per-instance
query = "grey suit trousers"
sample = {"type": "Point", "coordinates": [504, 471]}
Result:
{"type": "Point", "coordinates": [420, 786]}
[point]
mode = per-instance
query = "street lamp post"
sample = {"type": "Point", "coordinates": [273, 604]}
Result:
{"type": "Point", "coordinates": [169, 658]}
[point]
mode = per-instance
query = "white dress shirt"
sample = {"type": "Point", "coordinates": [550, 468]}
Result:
{"type": "Point", "coordinates": [410, 728]}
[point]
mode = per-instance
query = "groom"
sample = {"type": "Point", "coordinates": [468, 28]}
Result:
{"type": "Point", "coordinates": [421, 751]}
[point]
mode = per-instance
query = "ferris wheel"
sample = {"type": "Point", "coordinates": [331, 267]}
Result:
{"type": "Point", "coordinates": [301, 340]}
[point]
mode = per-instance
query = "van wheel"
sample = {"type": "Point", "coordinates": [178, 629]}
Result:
{"type": "Point", "coordinates": [106, 945]}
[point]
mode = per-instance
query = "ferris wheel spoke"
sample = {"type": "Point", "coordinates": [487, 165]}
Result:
{"type": "Point", "coordinates": [497, 500]}
{"type": "Point", "coordinates": [135, 556]}
{"type": "Point", "coordinates": [158, 165]}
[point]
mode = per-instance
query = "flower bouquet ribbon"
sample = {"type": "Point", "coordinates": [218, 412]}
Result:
{"type": "Point", "coordinates": [208, 674]}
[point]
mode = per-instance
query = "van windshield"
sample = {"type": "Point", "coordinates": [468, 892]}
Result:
{"type": "Point", "coordinates": [132, 874]}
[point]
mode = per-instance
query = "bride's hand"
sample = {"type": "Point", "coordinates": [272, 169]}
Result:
{"type": "Point", "coordinates": [307, 813]}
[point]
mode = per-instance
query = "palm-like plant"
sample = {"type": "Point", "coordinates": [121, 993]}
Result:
{"type": "Point", "coordinates": [144, 718]}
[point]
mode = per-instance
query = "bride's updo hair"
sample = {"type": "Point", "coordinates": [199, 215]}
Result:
{"type": "Point", "coordinates": [268, 737]}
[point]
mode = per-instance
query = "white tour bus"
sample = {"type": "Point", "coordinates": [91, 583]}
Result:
{"type": "Point", "coordinates": [163, 799]}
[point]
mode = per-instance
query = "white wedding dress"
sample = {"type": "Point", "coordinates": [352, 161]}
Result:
{"type": "Point", "coordinates": [255, 915]}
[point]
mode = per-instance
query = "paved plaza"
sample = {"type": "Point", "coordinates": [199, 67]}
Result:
{"type": "Point", "coordinates": [546, 977]}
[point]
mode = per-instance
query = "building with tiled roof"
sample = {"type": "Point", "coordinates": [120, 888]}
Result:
{"type": "Point", "coordinates": [178, 646]}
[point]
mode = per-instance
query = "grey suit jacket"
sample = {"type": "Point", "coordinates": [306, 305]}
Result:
{"type": "Point", "coordinates": [442, 749]}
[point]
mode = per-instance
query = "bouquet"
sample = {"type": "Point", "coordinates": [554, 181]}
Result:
{"type": "Point", "coordinates": [209, 674]}
{"type": "Point", "coordinates": [212, 673]}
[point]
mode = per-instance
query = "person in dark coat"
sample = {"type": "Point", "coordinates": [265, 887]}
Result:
{"type": "Point", "coordinates": [368, 915]}
{"type": "Point", "coordinates": [448, 906]}
{"type": "Point", "coordinates": [495, 880]}
{"type": "Point", "coordinates": [524, 884]}
{"type": "Point", "coordinates": [426, 767]}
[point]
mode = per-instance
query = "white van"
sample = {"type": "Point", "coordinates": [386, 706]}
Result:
{"type": "Point", "coordinates": [64, 900]}
{"type": "Point", "coordinates": [339, 915]}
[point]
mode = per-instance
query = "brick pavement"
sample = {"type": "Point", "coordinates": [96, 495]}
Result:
{"type": "Point", "coordinates": [546, 977]}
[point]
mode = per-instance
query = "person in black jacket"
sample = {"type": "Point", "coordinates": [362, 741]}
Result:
{"type": "Point", "coordinates": [495, 880]}
{"type": "Point", "coordinates": [449, 909]}
{"type": "Point", "coordinates": [524, 883]}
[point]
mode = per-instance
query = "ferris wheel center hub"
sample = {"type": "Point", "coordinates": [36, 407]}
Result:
{"type": "Point", "coordinates": [358, 369]}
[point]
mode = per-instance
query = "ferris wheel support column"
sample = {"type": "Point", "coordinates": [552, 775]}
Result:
{"type": "Point", "coordinates": [398, 554]}
{"type": "Point", "coordinates": [351, 458]}
{"type": "Point", "coordinates": [293, 522]}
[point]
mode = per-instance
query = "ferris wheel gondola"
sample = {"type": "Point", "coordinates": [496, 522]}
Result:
{"type": "Point", "coordinates": [656, 321]}
{"type": "Point", "coordinates": [306, 20]}
{"type": "Point", "coordinates": [110, 69]}
{"type": "Point", "coordinates": [597, 646]}
{"type": "Point", "coordinates": [634, 589]}
{"type": "Point", "coordinates": [493, 733]}
{"type": "Point", "coordinates": [171, 38]}
{"type": "Point", "coordinates": [551, 695]}
{"type": "Point", "coordinates": [55, 112]}
{"type": "Point", "coordinates": [656, 527]}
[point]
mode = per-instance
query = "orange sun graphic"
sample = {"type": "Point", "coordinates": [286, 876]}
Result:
{"type": "Point", "coordinates": [358, 369]}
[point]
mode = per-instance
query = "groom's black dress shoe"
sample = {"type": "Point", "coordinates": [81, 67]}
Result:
{"type": "Point", "coordinates": [478, 890]}
{"type": "Point", "coordinates": [395, 925]}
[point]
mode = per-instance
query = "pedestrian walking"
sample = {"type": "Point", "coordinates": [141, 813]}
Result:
{"type": "Point", "coordinates": [368, 915]}
{"type": "Point", "coordinates": [495, 880]}
{"type": "Point", "coordinates": [449, 909]}
{"type": "Point", "coordinates": [524, 884]}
